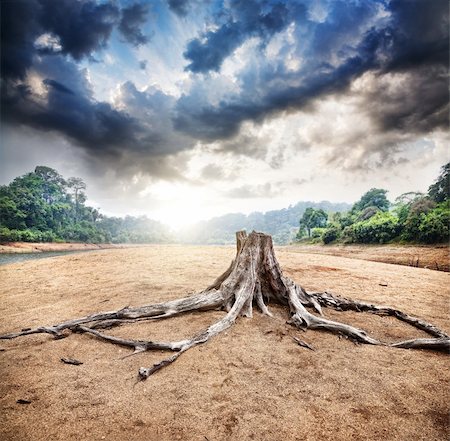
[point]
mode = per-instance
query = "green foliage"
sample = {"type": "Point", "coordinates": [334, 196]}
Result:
{"type": "Point", "coordinates": [439, 191]}
{"type": "Point", "coordinates": [375, 197]}
{"type": "Point", "coordinates": [434, 226]}
{"type": "Point", "coordinates": [331, 234]}
{"type": "Point", "coordinates": [312, 218]}
{"type": "Point", "coordinates": [43, 207]}
{"type": "Point", "coordinates": [380, 228]}
{"type": "Point", "coordinates": [7, 235]}
{"type": "Point", "coordinates": [415, 217]}
{"type": "Point", "coordinates": [414, 213]}
{"type": "Point", "coordinates": [367, 213]}
{"type": "Point", "coordinates": [316, 233]}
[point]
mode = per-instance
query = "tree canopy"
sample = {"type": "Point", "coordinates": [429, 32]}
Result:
{"type": "Point", "coordinates": [43, 206]}
{"type": "Point", "coordinates": [415, 217]}
{"type": "Point", "coordinates": [375, 197]}
{"type": "Point", "coordinates": [313, 218]}
{"type": "Point", "coordinates": [439, 191]}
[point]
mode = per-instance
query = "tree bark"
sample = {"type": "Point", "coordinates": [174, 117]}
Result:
{"type": "Point", "coordinates": [253, 279]}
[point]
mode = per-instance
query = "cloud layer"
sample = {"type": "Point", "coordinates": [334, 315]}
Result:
{"type": "Point", "coordinates": [239, 66]}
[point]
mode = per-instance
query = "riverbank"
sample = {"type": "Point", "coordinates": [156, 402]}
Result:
{"type": "Point", "coordinates": [435, 257]}
{"type": "Point", "coordinates": [41, 247]}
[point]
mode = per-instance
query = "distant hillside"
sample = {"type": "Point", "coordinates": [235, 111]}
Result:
{"type": "Point", "coordinates": [281, 224]}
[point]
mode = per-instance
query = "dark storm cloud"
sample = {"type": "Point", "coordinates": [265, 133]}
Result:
{"type": "Point", "coordinates": [246, 19]}
{"type": "Point", "coordinates": [224, 121]}
{"type": "Point", "coordinates": [82, 26]}
{"type": "Point", "coordinates": [132, 19]}
{"type": "Point", "coordinates": [18, 30]}
{"type": "Point", "coordinates": [36, 37]}
{"type": "Point", "coordinates": [57, 86]}
{"type": "Point", "coordinates": [400, 46]}
{"type": "Point", "coordinates": [69, 108]}
{"type": "Point", "coordinates": [179, 7]}
{"type": "Point", "coordinates": [273, 88]}
{"type": "Point", "coordinates": [412, 39]}
{"type": "Point", "coordinates": [418, 41]}
{"type": "Point", "coordinates": [420, 34]}
{"type": "Point", "coordinates": [418, 105]}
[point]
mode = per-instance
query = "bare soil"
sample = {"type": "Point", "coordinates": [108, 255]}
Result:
{"type": "Point", "coordinates": [39, 247]}
{"type": "Point", "coordinates": [436, 257]}
{"type": "Point", "coordinates": [250, 383]}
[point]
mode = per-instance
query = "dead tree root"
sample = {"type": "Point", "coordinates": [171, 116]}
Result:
{"type": "Point", "coordinates": [253, 278]}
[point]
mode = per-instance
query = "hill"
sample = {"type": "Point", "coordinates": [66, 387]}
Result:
{"type": "Point", "coordinates": [282, 224]}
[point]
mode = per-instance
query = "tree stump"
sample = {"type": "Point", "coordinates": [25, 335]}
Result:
{"type": "Point", "coordinates": [253, 279]}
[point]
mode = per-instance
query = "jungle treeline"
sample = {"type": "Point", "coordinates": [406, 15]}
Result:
{"type": "Point", "coordinates": [43, 206]}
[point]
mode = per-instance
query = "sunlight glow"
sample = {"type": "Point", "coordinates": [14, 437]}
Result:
{"type": "Point", "coordinates": [178, 205]}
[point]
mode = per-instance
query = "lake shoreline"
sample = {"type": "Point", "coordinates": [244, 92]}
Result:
{"type": "Point", "coordinates": [41, 247]}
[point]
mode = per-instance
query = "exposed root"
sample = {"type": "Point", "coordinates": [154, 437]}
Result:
{"type": "Point", "coordinates": [203, 301]}
{"type": "Point", "coordinates": [252, 279]}
{"type": "Point", "coordinates": [435, 344]}
{"type": "Point", "coordinates": [344, 304]}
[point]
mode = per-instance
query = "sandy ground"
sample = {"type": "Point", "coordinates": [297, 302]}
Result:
{"type": "Point", "coordinates": [250, 383]}
{"type": "Point", "coordinates": [435, 257]}
{"type": "Point", "coordinates": [39, 247]}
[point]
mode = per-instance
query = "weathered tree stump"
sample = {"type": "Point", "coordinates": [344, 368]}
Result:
{"type": "Point", "coordinates": [254, 278]}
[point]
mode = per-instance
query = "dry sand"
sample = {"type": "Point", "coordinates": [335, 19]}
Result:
{"type": "Point", "coordinates": [250, 383]}
{"type": "Point", "coordinates": [435, 257]}
{"type": "Point", "coordinates": [39, 247]}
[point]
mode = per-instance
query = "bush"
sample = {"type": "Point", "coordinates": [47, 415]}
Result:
{"type": "Point", "coordinates": [434, 226]}
{"type": "Point", "coordinates": [29, 236]}
{"type": "Point", "coordinates": [316, 233]}
{"type": "Point", "coordinates": [330, 235]}
{"type": "Point", "coordinates": [348, 234]}
{"type": "Point", "coordinates": [5, 235]}
{"type": "Point", "coordinates": [380, 228]}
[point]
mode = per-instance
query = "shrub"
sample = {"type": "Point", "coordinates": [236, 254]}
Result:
{"type": "Point", "coordinates": [5, 235]}
{"type": "Point", "coordinates": [434, 226]}
{"type": "Point", "coordinates": [380, 228]}
{"type": "Point", "coordinates": [330, 234]}
{"type": "Point", "coordinates": [316, 233]}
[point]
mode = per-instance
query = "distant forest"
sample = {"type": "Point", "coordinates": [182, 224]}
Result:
{"type": "Point", "coordinates": [413, 218]}
{"type": "Point", "coordinates": [282, 225]}
{"type": "Point", "coordinates": [42, 206]}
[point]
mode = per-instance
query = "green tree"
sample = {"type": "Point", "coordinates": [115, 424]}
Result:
{"type": "Point", "coordinates": [11, 217]}
{"type": "Point", "coordinates": [439, 191]}
{"type": "Point", "coordinates": [312, 218]}
{"type": "Point", "coordinates": [77, 186]}
{"type": "Point", "coordinates": [53, 184]}
{"type": "Point", "coordinates": [375, 197]}
{"type": "Point", "coordinates": [417, 209]}
{"type": "Point", "coordinates": [434, 226]}
{"type": "Point", "coordinates": [403, 203]}
{"type": "Point", "coordinates": [381, 228]}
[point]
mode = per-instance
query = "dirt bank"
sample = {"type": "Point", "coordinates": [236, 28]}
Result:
{"type": "Point", "coordinates": [251, 383]}
{"type": "Point", "coordinates": [39, 247]}
{"type": "Point", "coordinates": [436, 257]}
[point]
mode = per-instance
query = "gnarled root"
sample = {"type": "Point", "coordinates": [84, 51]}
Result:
{"type": "Point", "coordinates": [253, 278]}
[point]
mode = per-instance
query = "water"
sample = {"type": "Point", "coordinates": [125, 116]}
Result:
{"type": "Point", "coordinates": [20, 257]}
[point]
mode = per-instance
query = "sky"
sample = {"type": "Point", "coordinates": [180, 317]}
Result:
{"type": "Point", "coordinates": [187, 109]}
